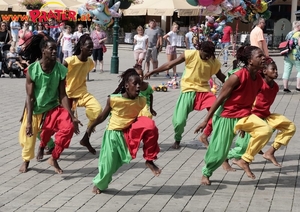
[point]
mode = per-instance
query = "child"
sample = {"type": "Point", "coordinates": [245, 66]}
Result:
{"type": "Point", "coordinates": [261, 108]}
{"type": "Point", "coordinates": [124, 131]}
{"type": "Point", "coordinates": [147, 92]}
{"type": "Point", "coordinates": [67, 43]}
{"type": "Point", "coordinates": [79, 65]}
{"type": "Point", "coordinates": [171, 38]}
{"type": "Point", "coordinates": [140, 45]}
{"type": "Point", "coordinates": [45, 87]}
{"type": "Point", "coordinates": [195, 94]}
{"type": "Point", "coordinates": [237, 96]}
{"type": "Point", "coordinates": [11, 56]}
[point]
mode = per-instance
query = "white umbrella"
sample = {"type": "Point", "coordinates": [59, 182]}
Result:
{"type": "Point", "coordinates": [162, 8]}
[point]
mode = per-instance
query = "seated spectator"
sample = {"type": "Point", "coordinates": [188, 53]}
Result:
{"type": "Point", "coordinates": [11, 56]}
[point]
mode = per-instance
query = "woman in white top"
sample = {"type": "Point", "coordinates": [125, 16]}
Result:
{"type": "Point", "coordinates": [67, 43]}
{"type": "Point", "coordinates": [140, 45]}
{"type": "Point", "coordinates": [78, 33]}
{"type": "Point", "coordinates": [171, 38]}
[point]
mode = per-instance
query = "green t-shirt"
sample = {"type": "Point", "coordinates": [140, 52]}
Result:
{"type": "Point", "coordinates": [46, 86]}
{"type": "Point", "coordinates": [146, 93]}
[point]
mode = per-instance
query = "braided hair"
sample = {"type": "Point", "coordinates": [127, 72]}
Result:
{"type": "Point", "coordinates": [80, 43]}
{"type": "Point", "coordinates": [244, 53]}
{"type": "Point", "coordinates": [124, 79]}
{"type": "Point", "coordinates": [269, 61]}
{"type": "Point", "coordinates": [33, 50]}
{"type": "Point", "coordinates": [209, 48]}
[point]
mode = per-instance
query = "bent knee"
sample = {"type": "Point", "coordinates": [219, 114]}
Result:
{"type": "Point", "coordinates": [267, 130]}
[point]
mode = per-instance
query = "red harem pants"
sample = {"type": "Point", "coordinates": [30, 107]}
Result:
{"type": "Point", "coordinates": [57, 121]}
{"type": "Point", "coordinates": [142, 129]}
{"type": "Point", "coordinates": [120, 147]}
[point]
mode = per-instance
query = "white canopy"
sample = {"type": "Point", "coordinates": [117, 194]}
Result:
{"type": "Point", "coordinates": [162, 8]}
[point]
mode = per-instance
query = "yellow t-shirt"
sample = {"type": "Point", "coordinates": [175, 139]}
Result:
{"type": "Point", "coordinates": [124, 111]}
{"type": "Point", "coordinates": [76, 76]}
{"type": "Point", "coordinates": [197, 72]}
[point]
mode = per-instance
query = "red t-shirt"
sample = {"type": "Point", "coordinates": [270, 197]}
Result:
{"type": "Point", "coordinates": [264, 100]}
{"type": "Point", "coordinates": [240, 102]}
{"type": "Point", "coordinates": [226, 34]}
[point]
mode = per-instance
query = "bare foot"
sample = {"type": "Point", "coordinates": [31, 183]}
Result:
{"type": "Point", "coordinates": [54, 163]}
{"type": "Point", "coordinates": [203, 139]}
{"type": "Point", "coordinates": [261, 152]}
{"type": "Point", "coordinates": [96, 190]}
{"type": "Point", "coordinates": [271, 157]}
{"type": "Point", "coordinates": [205, 180]}
{"type": "Point", "coordinates": [40, 154]}
{"type": "Point", "coordinates": [85, 141]}
{"type": "Point", "coordinates": [24, 167]}
{"type": "Point", "coordinates": [176, 145]}
{"type": "Point", "coordinates": [245, 166]}
{"type": "Point", "coordinates": [49, 152]}
{"type": "Point", "coordinates": [226, 166]}
{"type": "Point", "coordinates": [156, 171]}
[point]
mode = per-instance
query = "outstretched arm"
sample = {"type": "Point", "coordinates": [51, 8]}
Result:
{"type": "Point", "coordinates": [230, 84]}
{"type": "Point", "coordinates": [101, 117]}
{"type": "Point", "coordinates": [167, 66]}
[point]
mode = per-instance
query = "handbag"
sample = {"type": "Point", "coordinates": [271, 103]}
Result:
{"type": "Point", "coordinates": [104, 48]}
{"type": "Point", "coordinates": [286, 46]}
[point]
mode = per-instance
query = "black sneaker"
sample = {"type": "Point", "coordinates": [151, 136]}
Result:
{"type": "Point", "coordinates": [286, 90]}
{"type": "Point", "coordinates": [298, 89]}
{"type": "Point", "coordinates": [225, 64]}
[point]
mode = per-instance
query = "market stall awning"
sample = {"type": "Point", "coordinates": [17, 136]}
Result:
{"type": "Point", "coordinates": [3, 5]}
{"type": "Point", "coordinates": [162, 8]}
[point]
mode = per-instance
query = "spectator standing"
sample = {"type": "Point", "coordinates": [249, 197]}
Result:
{"type": "Point", "coordinates": [54, 33]}
{"type": "Point", "coordinates": [5, 37]}
{"type": "Point", "coordinates": [78, 33]}
{"type": "Point", "coordinates": [154, 44]}
{"type": "Point", "coordinates": [24, 35]}
{"type": "Point", "coordinates": [172, 38]}
{"type": "Point", "coordinates": [227, 38]}
{"type": "Point", "coordinates": [140, 45]}
{"type": "Point", "coordinates": [257, 36]}
{"type": "Point", "coordinates": [39, 28]}
{"type": "Point", "coordinates": [292, 58]}
{"type": "Point", "coordinates": [67, 43]}
{"type": "Point", "coordinates": [98, 36]}
{"type": "Point", "coordinates": [47, 28]}
{"type": "Point", "coordinates": [189, 38]}
{"type": "Point", "coordinates": [14, 27]}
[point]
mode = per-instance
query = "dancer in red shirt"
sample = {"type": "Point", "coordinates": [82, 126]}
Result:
{"type": "Point", "coordinates": [234, 114]}
{"type": "Point", "coordinates": [264, 100]}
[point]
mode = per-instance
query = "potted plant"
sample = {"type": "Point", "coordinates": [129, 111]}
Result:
{"type": "Point", "coordinates": [32, 4]}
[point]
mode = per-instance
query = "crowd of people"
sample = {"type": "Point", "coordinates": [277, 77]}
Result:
{"type": "Point", "coordinates": [19, 35]}
{"type": "Point", "coordinates": [59, 62]}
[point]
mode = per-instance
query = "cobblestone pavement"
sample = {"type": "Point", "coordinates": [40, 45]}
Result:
{"type": "Point", "coordinates": [134, 188]}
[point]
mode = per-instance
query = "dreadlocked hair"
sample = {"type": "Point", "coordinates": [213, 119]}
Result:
{"type": "Point", "coordinates": [33, 49]}
{"type": "Point", "coordinates": [80, 43]}
{"type": "Point", "coordinates": [209, 48]}
{"type": "Point", "coordinates": [125, 78]}
{"type": "Point", "coordinates": [137, 66]}
{"type": "Point", "coordinates": [244, 53]}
